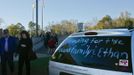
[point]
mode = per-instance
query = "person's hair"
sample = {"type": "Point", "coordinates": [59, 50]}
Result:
{"type": "Point", "coordinates": [5, 31]}
{"type": "Point", "coordinates": [24, 32]}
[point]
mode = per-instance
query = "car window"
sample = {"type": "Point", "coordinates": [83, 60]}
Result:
{"type": "Point", "coordinates": [109, 52]}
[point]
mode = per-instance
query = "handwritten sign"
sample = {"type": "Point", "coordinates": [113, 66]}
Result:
{"type": "Point", "coordinates": [101, 52]}
{"type": "Point", "coordinates": [100, 47]}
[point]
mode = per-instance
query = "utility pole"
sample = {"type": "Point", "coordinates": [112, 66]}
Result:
{"type": "Point", "coordinates": [33, 7]}
{"type": "Point", "coordinates": [42, 12]}
{"type": "Point", "coordinates": [37, 18]}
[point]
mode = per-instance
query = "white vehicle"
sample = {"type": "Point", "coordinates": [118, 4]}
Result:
{"type": "Point", "coordinates": [98, 52]}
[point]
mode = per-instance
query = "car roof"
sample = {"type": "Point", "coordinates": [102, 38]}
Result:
{"type": "Point", "coordinates": [105, 32]}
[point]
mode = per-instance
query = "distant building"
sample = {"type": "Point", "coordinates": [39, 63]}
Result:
{"type": "Point", "coordinates": [80, 27]}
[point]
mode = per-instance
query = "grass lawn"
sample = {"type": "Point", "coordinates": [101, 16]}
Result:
{"type": "Point", "coordinates": [38, 67]}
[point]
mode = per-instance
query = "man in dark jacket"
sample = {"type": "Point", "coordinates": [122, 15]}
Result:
{"type": "Point", "coordinates": [7, 49]}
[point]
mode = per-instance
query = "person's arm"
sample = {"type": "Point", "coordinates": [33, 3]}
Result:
{"type": "Point", "coordinates": [30, 44]}
{"type": "Point", "coordinates": [17, 42]}
{"type": "Point", "coordinates": [56, 37]}
{"type": "Point", "coordinates": [0, 47]}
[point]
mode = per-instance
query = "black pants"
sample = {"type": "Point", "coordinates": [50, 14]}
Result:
{"type": "Point", "coordinates": [7, 60]}
{"type": "Point", "coordinates": [23, 60]}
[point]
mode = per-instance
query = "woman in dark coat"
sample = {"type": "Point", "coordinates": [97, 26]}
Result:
{"type": "Point", "coordinates": [24, 48]}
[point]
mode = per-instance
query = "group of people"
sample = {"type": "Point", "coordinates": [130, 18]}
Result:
{"type": "Point", "coordinates": [51, 42]}
{"type": "Point", "coordinates": [10, 46]}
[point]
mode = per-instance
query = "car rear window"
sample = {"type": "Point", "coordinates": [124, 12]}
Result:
{"type": "Point", "coordinates": [109, 52]}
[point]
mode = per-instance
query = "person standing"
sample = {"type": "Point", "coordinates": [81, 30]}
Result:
{"type": "Point", "coordinates": [46, 38]}
{"type": "Point", "coordinates": [24, 48]}
{"type": "Point", "coordinates": [54, 35]}
{"type": "Point", "coordinates": [52, 42]}
{"type": "Point", "coordinates": [7, 49]}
